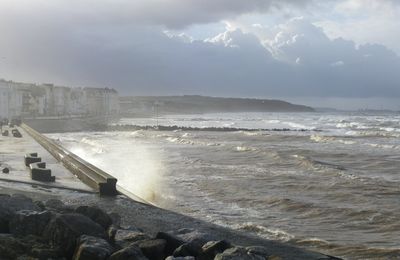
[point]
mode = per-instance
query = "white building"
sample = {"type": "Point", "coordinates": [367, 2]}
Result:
{"type": "Point", "coordinates": [30, 100]}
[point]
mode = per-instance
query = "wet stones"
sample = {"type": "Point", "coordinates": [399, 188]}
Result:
{"type": "Point", "coordinates": [131, 252]}
{"type": "Point", "coordinates": [29, 222]}
{"type": "Point", "coordinates": [89, 247]}
{"type": "Point", "coordinates": [65, 229]}
{"type": "Point", "coordinates": [241, 253]}
{"type": "Point", "coordinates": [95, 214]}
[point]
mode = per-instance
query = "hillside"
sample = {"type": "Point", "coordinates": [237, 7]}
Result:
{"type": "Point", "coordinates": [203, 104]}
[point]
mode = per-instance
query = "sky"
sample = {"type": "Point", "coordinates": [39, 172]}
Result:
{"type": "Point", "coordinates": [324, 53]}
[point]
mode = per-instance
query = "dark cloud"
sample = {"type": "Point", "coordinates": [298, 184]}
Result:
{"type": "Point", "coordinates": [140, 59]}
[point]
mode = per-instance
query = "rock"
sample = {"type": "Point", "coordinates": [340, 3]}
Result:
{"type": "Point", "coordinates": [129, 253]}
{"type": "Point", "coordinates": [58, 205]}
{"type": "Point", "coordinates": [10, 247]}
{"type": "Point", "coordinates": [11, 204]}
{"type": "Point", "coordinates": [111, 232]}
{"type": "Point", "coordinates": [40, 205]}
{"type": "Point", "coordinates": [238, 253]}
{"type": "Point", "coordinates": [29, 222]}
{"type": "Point", "coordinates": [258, 250]}
{"type": "Point", "coordinates": [89, 247]}
{"type": "Point", "coordinates": [17, 202]}
{"type": "Point", "coordinates": [95, 214]}
{"type": "Point", "coordinates": [152, 249]}
{"type": "Point", "coordinates": [115, 219]}
{"type": "Point", "coordinates": [187, 249]}
{"type": "Point", "coordinates": [6, 170]}
{"type": "Point", "coordinates": [5, 217]}
{"type": "Point", "coordinates": [194, 237]}
{"type": "Point", "coordinates": [212, 248]}
{"type": "Point", "coordinates": [65, 229]}
{"type": "Point", "coordinates": [180, 258]}
{"type": "Point", "coordinates": [172, 241]}
{"type": "Point", "coordinates": [124, 237]}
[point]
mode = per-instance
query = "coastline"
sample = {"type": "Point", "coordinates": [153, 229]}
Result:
{"type": "Point", "coordinates": [147, 217]}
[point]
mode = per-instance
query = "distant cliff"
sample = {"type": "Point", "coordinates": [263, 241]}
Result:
{"type": "Point", "coordinates": [151, 105]}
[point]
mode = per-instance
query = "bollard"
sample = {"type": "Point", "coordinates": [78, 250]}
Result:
{"type": "Point", "coordinates": [40, 173]}
{"type": "Point", "coordinates": [31, 158]}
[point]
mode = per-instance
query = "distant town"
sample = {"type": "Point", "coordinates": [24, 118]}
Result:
{"type": "Point", "coordinates": [26, 100]}
{"type": "Point", "coordinates": [49, 101]}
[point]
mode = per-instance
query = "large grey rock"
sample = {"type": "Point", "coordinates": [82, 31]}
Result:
{"type": "Point", "coordinates": [258, 250]}
{"type": "Point", "coordinates": [193, 236]}
{"type": "Point", "coordinates": [10, 247]}
{"type": "Point", "coordinates": [124, 237]}
{"type": "Point", "coordinates": [17, 202]}
{"type": "Point", "coordinates": [173, 242]}
{"type": "Point", "coordinates": [95, 214]}
{"type": "Point", "coordinates": [129, 253]}
{"type": "Point", "coordinates": [63, 231]}
{"type": "Point", "coordinates": [11, 204]}
{"type": "Point", "coordinates": [92, 248]}
{"type": "Point", "coordinates": [29, 222]}
{"type": "Point", "coordinates": [187, 249]}
{"type": "Point", "coordinates": [212, 248]}
{"type": "Point", "coordinates": [57, 205]}
{"type": "Point", "coordinates": [238, 253]}
{"type": "Point", "coordinates": [152, 249]}
{"type": "Point", "coordinates": [180, 258]}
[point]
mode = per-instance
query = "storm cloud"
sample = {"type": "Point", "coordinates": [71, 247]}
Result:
{"type": "Point", "coordinates": [124, 44]}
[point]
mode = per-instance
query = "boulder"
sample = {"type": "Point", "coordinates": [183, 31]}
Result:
{"type": "Point", "coordinates": [212, 248]}
{"type": "Point", "coordinates": [63, 231]}
{"type": "Point", "coordinates": [11, 204]}
{"type": "Point", "coordinates": [180, 258]}
{"type": "Point", "coordinates": [187, 249]}
{"type": "Point", "coordinates": [173, 242]}
{"type": "Point", "coordinates": [124, 237]}
{"type": "Point", "coordinates": [152, 249]}
{"type": "Point", "coordinates": [238, 253]}
{"type": "Point", "coordinates": [115, 219]}
{"type": "Point", "coordinates": [129, 253]}
{"type": "Point", "coordinates": [193, 236]}
{"type": "Point", "coordinates": [258, 250]}
{"type": "Point", "coordinates": [6, 170]}
{"type": "Point", "coordinates": [95, 214]}
{"type": "Point", "coordinates": [29, 222]}
{"type": "Point", "coordinates": [10, 247]}
{"type": "Point", "coordinates": [92, 248]}
{"type": "Point", "coordinates": [17, 202]}
{"type": "Point", "coordinates": [58, 205]}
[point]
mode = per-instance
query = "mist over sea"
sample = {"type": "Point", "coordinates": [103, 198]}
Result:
{"type": "Point", "coordinates": [333, 187]}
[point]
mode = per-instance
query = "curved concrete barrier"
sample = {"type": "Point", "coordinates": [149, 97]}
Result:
{"type": "Point", "coordinates": [94, 177]}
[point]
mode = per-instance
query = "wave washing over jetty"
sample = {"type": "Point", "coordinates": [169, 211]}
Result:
{"type": "Point", "coordinates": [332, 187]}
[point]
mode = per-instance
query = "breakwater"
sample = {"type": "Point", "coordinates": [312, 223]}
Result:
{"type": "Point", "coordinates": [117, 127]}
{"type": "Point", "coordinates": [94, 177]}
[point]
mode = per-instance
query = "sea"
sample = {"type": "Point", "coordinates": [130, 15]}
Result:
{"type": "Point", "coordinates": [329, 182]}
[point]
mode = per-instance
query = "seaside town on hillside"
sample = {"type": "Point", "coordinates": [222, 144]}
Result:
{"type": "Point", "coordinates": [26, 100]}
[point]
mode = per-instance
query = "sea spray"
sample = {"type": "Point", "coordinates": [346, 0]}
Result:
{"type": "Point", "coordinates": [137, 167]}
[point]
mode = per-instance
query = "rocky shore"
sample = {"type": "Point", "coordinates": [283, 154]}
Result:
{"type": "Point", "coordinates": [50, 229]}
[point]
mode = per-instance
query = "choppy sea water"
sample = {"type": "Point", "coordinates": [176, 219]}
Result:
{"type": "Point", "coordinates": [334, 188]}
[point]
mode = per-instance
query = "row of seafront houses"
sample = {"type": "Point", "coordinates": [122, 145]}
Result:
{"type": "Point", "coordinates": [25, 100]}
